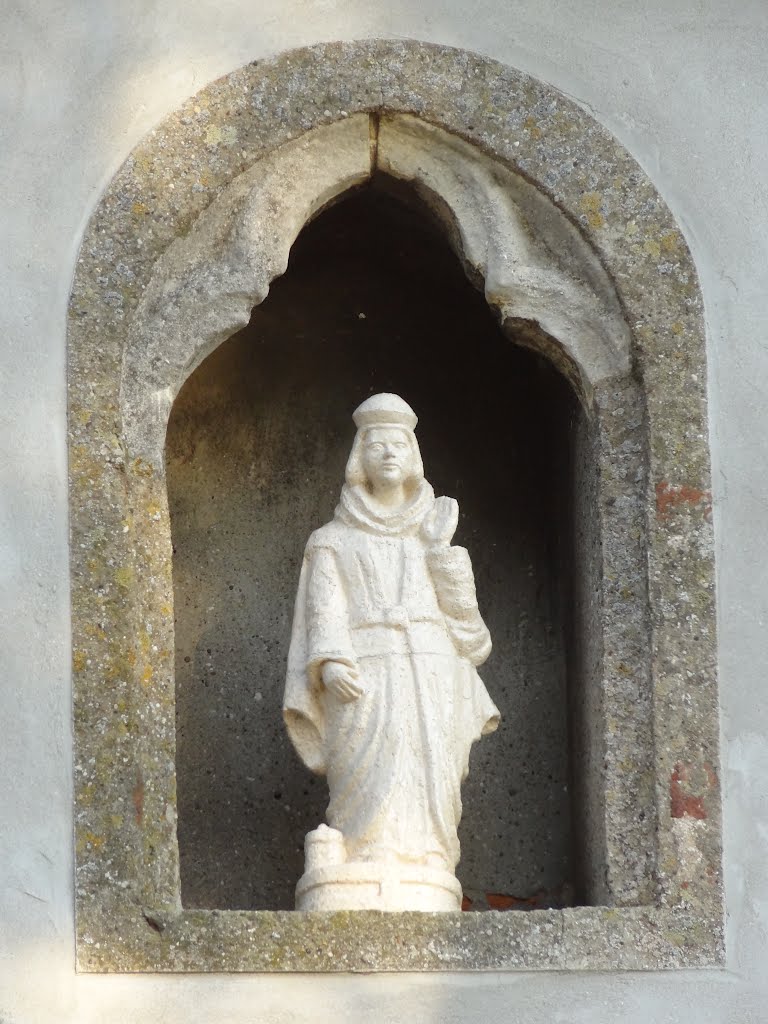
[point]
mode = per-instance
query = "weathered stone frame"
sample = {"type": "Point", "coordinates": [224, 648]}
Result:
{"type": "Point", "coordinates": [181, 247]}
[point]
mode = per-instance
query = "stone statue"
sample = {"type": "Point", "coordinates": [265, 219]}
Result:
{"type": "Point", "coordinates": [382, 693]}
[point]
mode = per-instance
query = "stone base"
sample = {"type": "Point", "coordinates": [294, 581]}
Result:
{"type": "Point", "coordinates": [370, 886]}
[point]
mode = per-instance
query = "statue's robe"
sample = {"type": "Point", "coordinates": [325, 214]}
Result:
{"type": "Point", "coordinates": [373, 596]}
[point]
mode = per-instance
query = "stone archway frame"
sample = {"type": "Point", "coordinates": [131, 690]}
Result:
{"type": "Point", "coordinates": [572, 244]}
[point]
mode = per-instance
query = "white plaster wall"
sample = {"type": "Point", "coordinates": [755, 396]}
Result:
{"type": "Point", "coordinates": [684, 85]}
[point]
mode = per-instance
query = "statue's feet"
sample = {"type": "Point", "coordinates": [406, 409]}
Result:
{"type": "Point", "coordinates": [374, 854]}
{"type": "Point", "coordinates": [438, 862]}
{"type": "Point", "coordinates": [388, 855]}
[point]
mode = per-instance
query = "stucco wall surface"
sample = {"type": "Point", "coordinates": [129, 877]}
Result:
{"type": "Point", "coordinates": [682, 85]}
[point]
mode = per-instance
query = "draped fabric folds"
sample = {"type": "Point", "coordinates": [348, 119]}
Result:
{"type": "Point", "coordinates": [372, 595]}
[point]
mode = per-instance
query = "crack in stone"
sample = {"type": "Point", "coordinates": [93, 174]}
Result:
{"type": "Point", "coordinates": [374, 121]}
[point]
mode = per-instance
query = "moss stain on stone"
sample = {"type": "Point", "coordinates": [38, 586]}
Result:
{"type": "Point", "coordinates": [124, 576]}
{"type": "Point", "coordinates": [532, 127]}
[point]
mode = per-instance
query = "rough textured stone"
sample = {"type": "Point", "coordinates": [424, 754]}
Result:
{"type": "Point", "coordinates": [204, 286]}
{"type": "Point", "coordinates": [122, 601]}
{"type": "Point", "coordinates": [583, 938]}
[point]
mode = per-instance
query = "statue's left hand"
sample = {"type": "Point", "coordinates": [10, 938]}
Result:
{"type": "Point", "coordinates": [440, 524]}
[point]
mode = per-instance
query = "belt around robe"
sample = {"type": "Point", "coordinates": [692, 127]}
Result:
{"type": "Point", "coordinates": [395, 632]}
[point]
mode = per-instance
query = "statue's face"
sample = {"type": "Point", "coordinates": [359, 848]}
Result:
{"type": "Point", "coordinates": [386, 456]}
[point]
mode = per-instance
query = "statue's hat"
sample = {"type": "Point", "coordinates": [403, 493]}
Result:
{"type": "Point", "coordinates": [384, 410]}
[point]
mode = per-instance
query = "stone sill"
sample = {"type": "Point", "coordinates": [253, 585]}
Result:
{"type": "Point", "coordinates": [578, 939]}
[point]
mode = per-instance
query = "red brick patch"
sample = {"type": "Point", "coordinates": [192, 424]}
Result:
{"type": "Point", "coordinates": [687, 788]}
{"type": "Point", "coordinates": [668, 498]}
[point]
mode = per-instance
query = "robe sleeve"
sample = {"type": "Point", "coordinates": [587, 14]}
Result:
{"type": "Point", "coordinates": [320, 633]}
{"type": "Point", "coordinates": [451, 572]}
{"type": "Point", "coordinates": [328, 636]}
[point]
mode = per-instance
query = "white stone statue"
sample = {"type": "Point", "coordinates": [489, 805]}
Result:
{"type": "Point", "coordinates": [382, 693]}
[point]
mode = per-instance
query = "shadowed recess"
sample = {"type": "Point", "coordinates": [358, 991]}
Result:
{"type": "Point", "coordinates": [373, 300]}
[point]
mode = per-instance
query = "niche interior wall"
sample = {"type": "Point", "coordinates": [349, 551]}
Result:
{"type": "Point", "coordinates": [581, 261]}
{"type": "Point", "coordinates": [258, 437]}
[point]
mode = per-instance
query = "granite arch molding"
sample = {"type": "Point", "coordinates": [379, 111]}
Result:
{"type": "Point", "coordinates": [580, 256]}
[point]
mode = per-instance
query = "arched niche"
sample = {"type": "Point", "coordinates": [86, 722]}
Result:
{"type": "Point", "coordinates": [579, 258]}
{"type": "Point", "coordinates": [548, 290]}
{"type": "Point", "coordinates": [257, 441]}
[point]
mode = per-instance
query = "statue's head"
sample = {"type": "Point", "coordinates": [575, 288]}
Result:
{"type": "Point", "coordinates": [385, 450]}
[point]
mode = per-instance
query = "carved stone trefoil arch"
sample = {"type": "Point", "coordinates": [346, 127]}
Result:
{"type": "Point", "coordinates": [581, 259]}
{"type": "Point", "coordinates": [534, 264]}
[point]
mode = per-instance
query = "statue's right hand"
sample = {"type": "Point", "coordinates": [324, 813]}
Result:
{"type": "Point", "coordinates": [341, 680]}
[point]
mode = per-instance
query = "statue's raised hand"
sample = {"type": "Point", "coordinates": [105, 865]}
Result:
{"type": "Point", "coordinates": [341, 680]}
{"type": "Point", "coordinates": [440, 524]}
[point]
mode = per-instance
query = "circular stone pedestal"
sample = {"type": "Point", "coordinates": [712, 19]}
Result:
{"type": "Point", "coordinates": [360, 886]}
